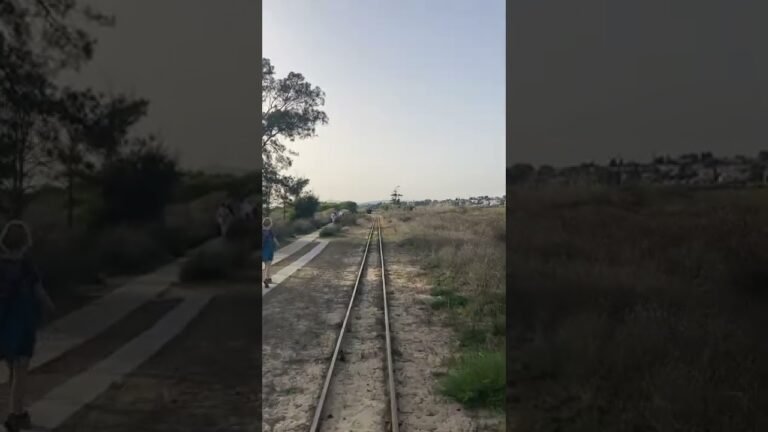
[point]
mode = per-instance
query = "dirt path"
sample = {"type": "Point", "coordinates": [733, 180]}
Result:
{"type": "Point", "coordinates": [357, 399]}
{"type": "Point", "coordinates": [300, 321]}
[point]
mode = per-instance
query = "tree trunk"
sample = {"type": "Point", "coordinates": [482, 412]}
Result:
{"type": "Point", "coordinates": [70, 198]}
{"type": "Point", "coordinates": [267, 199]}
{"type": "Point", "coordinates": [19, 172]}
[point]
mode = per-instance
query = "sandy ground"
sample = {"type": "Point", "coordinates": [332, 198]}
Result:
{"type": "Point", "coordinates": [301, 319]}
{"type": "Point", "coordinates": [358, 396]}
{"type": "Point", "coordinates": [421, 343]}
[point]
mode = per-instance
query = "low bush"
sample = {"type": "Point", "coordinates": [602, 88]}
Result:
{"type": "Point", "coordinates": [179, 241]}
{"type": "Point", "coordinates": [348, 205]}
{"type": "Point", "coordinates": [216, 262]}
{"type": "Point", "coordinates": [330, 231]}
{"type": "Point", "coordinates": [477, 379]}
{"type": "Point", "coordinates": [244, 230]}
{"type": "Point", "coordinates": [306, 206]}
{"type": "Point", "coordinates": [302, 226]}
{"type": "Point", "coordinates": [130, 250]}
{"type": "Point", "coordinates": [206, 265]}
{"type": "Point", "coordinates": [349, 219]}
{"type": "Point", "coordinates": [61, 268]}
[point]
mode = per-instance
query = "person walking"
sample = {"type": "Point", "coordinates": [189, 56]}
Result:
{"type": "Point", "coordinates": [224, 217]}
{"type": "Point", "coordinates": [268, 247]}
{"type": "Point", "coordinates": [246, 209]}
{"type": "Point", "coordinates": [22, 299]}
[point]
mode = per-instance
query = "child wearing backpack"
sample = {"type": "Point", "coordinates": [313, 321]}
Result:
{"type": "Point", "coordinates": [268, 245]}
{"type": "Point", "coordinates": [22, 299]}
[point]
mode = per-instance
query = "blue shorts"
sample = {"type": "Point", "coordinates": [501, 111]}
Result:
{"type": "Point", "coordinates": [267, 255]}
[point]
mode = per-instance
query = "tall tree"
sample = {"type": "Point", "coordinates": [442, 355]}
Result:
{"type": "Point", "coordinates": [37, 42]}
{"type": "Point", "coordinates": [291, 189]}
{"type": "Point", "coordinates": [136, 185]}
{"type": "Point", "coordinates": [291, 109]}
{"type": "Point", "coordinates": [111, 124]}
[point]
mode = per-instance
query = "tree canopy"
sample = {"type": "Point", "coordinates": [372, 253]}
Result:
{"type": "Point", "coordinates": [291, 110]}
{"type": "Point", "coordinates": [45, 128]}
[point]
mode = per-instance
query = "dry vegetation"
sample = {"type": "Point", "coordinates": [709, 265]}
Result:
{"type": "Point", "coordinates": [638, 310]}
{"type": "Point", "coordinates": [463, 252]}
{"type": "Point", "coordinates": [287, 227]}
{"type": "Point", "coordinates": [81, 259]}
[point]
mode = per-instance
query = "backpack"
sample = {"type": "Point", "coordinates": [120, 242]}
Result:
{"type": "Point", "coordinates": [268, 238]}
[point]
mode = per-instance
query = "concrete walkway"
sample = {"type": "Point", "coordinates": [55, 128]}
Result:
{"type": "Point", "coordinates": [291, 268]}
{"type": "Point", "coordinates": [295, 246]}
{"type": "Point", "coordinates": [63, 401]}
{"type": "Point", "coordinates": [83, 324]}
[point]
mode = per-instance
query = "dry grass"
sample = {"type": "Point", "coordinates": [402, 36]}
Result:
{"type": "Point", "coordinates": [638, 309]}
{"type": "Point", "coordinates": [463, 251]}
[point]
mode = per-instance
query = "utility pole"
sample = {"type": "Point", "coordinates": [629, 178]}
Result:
{"type": "Point", "coordinates": [396, 196]}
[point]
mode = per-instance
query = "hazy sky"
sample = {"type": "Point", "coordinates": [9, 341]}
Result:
{"type": "Point", "coordinates": [594, 79]}
{"type": "Point", "coordinates": [196, 61]}
{"type": "Point", "coordinates": [415, 94]}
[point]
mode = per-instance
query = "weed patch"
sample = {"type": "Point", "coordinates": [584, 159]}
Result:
{"type": "Point", "coordinates": [449, 298]}
{"type": "Point", "coordinates": [462, 252]}
{"type": "Point", "coordinates": [477, 380]}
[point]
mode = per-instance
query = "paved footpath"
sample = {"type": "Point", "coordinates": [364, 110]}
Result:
{"type": "Point", "coordinates": [152, 356]}
{"type": "Point", "coordinates": [291, 250]}
{"type": "Point", "coordinates": [90, 353]}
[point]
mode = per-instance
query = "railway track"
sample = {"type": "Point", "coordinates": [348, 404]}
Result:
{"type": "Point", "coordinates": [359, 388]}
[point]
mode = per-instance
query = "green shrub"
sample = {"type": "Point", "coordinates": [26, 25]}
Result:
{"type": "Point", "coordinates": [349, 205]}
{"type": "Point", "coordinates": [302, 226]}
{"type": "Point", "coordinates": [195, 185]}
{"type": "Point", "coordinates": [215, 262]}
{"type": "Point", "coordinates": [319, 221]}
{"type": "Point", "coordinates": [61, 268]}
{"type": "Point", "coordinates": [325, 205]}
{"type": "Point", "coordinates": [130, 250]}
{"type": "Point", "coordinates": [178, 240]}
{"type": "Point", "coordinates": [306, 206]}
{"type": "Point", "coordinates": [138, 185]}
{"type": "Point", "coordinates": [349, 219]}
{"type": "Point", "coordinates": [477, 379]}
{"type": "Point", "coordinates": [242, 229]}
{"type": "Point", "coordinates": [206, 265]}
{"type": "Point", "coordinates": [329, 231]}
{"type": "Point", "coordinates": [447, 297]}
{"type": "Point", "coordinates": [282, 230]}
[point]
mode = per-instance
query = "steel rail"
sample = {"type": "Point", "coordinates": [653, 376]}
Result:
{"type": "Point", "coordinates": [395, 424]}
{"type": "Point", "coordinates": [324, 392]}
